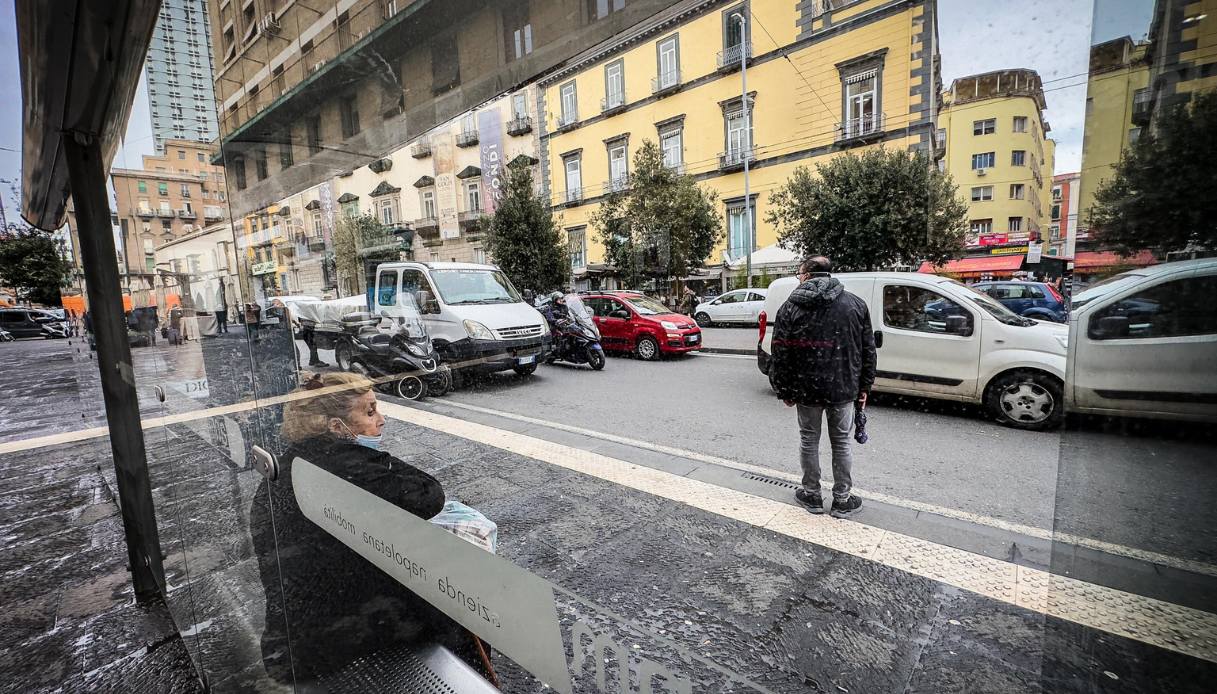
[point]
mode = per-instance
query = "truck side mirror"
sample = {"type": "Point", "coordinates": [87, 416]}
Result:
{"type": "Point", "coordinates": [1111, 327]}
{"type": "Point", "coordinates": [427, 305]}
{"type": "Point", "coordinates": [958, 325]}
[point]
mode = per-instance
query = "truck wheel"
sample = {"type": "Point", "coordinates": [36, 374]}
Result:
{"type": "Point", "coordinates": [647, 348]}
{"type": "Point", "coordinates": [342, 355]}
{"type": "Point", "coordinates": [1031, 400]}
{"type": "Point", "coordinates": [703, 319]}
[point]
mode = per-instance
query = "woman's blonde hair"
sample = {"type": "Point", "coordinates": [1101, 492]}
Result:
{"type": "Point", "coordinates": [309, 416]}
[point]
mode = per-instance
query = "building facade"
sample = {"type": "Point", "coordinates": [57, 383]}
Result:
{"type": "Point", "coordinates": [999, 154]}
{"type": "Point", "coordinates": [1063, 234]}
{"type": "Point", "coordinates": [179, 74]}
{"type": "Point", "coordinates": [822, 79]}
{"type": "Point", "coordinates": [201, 270]}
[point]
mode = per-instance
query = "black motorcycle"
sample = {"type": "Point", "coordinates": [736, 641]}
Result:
{"type": "Point", "coordinates": [393, 350]}
{"type": "Point", "coordinates": [576, 337]}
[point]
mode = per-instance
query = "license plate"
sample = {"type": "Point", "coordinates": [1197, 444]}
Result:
{"type": "Point", "coordinates": [694, 339]}
{"type": "Point", "coordinates": [527, 360]}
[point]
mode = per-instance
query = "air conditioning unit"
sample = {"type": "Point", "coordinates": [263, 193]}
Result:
{"type": "Point", "coordinates": [981, 172]}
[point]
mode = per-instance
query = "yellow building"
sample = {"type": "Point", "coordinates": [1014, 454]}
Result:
{"type": "Point", "coordinates": [1117, 106]}
{"type": "Point", "coordinates": [820, 82]}
{"type": "Point", "coordinates": [1000, 156]}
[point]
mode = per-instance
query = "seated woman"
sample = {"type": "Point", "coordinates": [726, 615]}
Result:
{"type": "Point", "coordinates": [334, 604]}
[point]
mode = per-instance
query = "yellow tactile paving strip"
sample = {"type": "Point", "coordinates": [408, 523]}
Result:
{"type": "Point", "coordinates": [1155, 622]}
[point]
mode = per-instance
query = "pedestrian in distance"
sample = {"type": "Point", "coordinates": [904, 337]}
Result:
{"type": "Point", "coordinates": [823, 364]}
{"type": "Point", "coordinates": [222, 319]}
{"type": "Point", "coordinates": [148, 323]}
{"type": "Point", "coordinates": [175, 325]}
{"type": "Point", "coordinates": [690, 301]}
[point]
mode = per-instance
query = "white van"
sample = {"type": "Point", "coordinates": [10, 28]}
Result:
{"type": "Point", "coordinates": [938, 338]}
{"type": "Point", "coordinates": [474, 315]}
{"type": "Point", "coordinates": [1145, 344]}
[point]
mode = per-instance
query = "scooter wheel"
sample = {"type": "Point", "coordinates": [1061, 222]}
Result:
{"type": "Point", "coordinates": [595, 358]}
{"type": "Point", "coordinates": [442, 383]}
{"type": "Point", "coordinates": [411, 388]}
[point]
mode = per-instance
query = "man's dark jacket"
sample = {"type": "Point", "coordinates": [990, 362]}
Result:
{"type": "Point", "coordinates": [823, 345]}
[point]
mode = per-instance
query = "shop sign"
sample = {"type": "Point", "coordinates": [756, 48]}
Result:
{"type": "Point", "coordinates": [264, 268]}
{"type": "Point", "coordinates": [992, 239]}
{"type": "Point", "coordinates": [1008, 250]}
{"type": "Point", "coordinates": [1034, 252]}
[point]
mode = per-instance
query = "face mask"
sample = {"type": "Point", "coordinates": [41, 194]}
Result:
{"type": "Point", "coordinates": [372, 442]}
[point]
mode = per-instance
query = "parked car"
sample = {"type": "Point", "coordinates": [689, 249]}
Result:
{"type": "Point", "coordinates": [633, 322]}
{"type": "Point", "coordinates": [741, 306]}
{"type": "Point", "coordinates": [938, 338]}
{"type": "Point", "coordinates": [1145, 344]}
{"type": "Point", "coordinates": [475, 317]}
{"type": "Point", "coordinates": [1038, 300]}
{"type": "Point", "coordinates": [32, 322]}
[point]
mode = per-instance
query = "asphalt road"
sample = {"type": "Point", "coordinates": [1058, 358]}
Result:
{"type": "Point", "coordinates": [1148, 488]}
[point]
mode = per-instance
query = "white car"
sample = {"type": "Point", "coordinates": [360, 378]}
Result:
{"type": "Point", "coordinates": [741, 306]}
{"type": "Point", "coordinates": [937, 338]}
{"type": "Point", "coordinates": [1145, 344]}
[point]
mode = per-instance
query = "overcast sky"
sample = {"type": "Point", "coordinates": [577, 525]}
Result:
{"type": "Point", "coordinates": [1051, 37]}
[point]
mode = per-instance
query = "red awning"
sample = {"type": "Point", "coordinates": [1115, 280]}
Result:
{"type": "Point", "coordinates": [1101, 259]}
{"type": "Point", "coordinates": [970, 266]}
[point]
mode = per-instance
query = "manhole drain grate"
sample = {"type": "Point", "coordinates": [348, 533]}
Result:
{"type": "Point", "coordinates": [770, 480]}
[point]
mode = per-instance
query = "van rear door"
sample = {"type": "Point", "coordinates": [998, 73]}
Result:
{"type": "Point", "coordinates": [931, 341]}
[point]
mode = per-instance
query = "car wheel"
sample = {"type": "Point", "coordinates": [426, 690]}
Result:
{"type": "Point", "coordinates": [342, 355]}
{"type": "Point", "coordinates": [1031, 400]}
{"type": "Point", "coordinates": [647, 348]}
{"type": "Point", "coordinates": [595, 358]}
{"type": "Point", "coordinates": [526, 370]}
{"type": "Point", "coordinates": [703, 319]}
{"type": "Point", "coordinates": [411, 388]}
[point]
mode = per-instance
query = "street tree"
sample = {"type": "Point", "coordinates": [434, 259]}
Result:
{"type": "Point", "coordinates": [1161, 195]}
{"type": "Point", "coordinates": [875, 210]}
{"type": "Point", "coordinates": [31, 264]}
{"type": "Point", "coordinates": [523, 238]}
{"type": "Point", "coordinates": [361, 242]}
{"type": "Point", "coordinates": [662, 226]}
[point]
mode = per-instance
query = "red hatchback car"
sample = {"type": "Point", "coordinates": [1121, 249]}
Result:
{"type": "Point", "coordinates": [633, 322]}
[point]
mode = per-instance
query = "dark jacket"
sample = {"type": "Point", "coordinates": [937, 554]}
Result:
{"type": "Point", "coordinates": [823, 345]}
{"type": "Point", "coordinates": [337, 605]}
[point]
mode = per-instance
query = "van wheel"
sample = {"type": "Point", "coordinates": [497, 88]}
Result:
{"type": "Point", "coordinates": [342, 355]}
{"type": "Point", "coordinates": [1031, 400]}
{"type": "Point", "coordinates": [647, 348]}
{"type": "Point", "coordinates": [703, 319]}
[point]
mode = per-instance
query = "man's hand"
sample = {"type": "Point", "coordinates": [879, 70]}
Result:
{"type": "Point", "coordinates": [862, 400]}
{"type": "Point", "coordinates": [789, 403]}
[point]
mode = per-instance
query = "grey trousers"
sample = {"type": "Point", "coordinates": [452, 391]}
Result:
{"type": "Point", "coordinates": [840, 421]}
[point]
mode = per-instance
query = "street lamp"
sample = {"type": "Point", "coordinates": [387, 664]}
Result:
{"type": "Point", "coordinates": [747, 153]}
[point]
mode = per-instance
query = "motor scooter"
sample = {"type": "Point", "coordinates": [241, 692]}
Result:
{"type": "Point", "coordinates": [394, 350]}
{"type": "Point", "coordinates": [576, 337]}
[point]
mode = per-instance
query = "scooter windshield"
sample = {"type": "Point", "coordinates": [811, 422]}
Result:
{"type": "Point", "coordinates": [579, 313]}
{"type": "Point", "coordinates": [404, 320]}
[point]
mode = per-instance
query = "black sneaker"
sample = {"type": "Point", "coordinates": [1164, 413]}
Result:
{"type": "Point", "coordinates": [812, 501]}
{"type": "Point", "coordinates": [318, 363]}
{"type": "Point", "coordinates": [842, 508]}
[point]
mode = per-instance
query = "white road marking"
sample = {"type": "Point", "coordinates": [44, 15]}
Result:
{"type": "Point", "coordinates": [725, 356]}
{"type": "Point", "coordinates": [997, 523]}
{"type": "Point", "coordinates": [1155, 622]}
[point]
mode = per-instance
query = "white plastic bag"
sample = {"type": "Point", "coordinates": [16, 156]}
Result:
{"type": "Point", "coordinates": [468, 524]}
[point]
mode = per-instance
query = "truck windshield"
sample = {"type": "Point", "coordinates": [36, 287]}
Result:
{"type": "Point", "coordinates": [462, 287]}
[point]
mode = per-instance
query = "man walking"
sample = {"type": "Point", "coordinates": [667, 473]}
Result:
{"type": "Point", "coordinates": [823, 362]}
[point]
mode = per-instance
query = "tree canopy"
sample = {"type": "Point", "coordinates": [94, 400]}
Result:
{"type": "Point", "coordinates": [30, 263]}
{"type": "Point", "coordinates": [871, 211]}
{"type": "Point", "coordinates": [662, 226]}
{"type": "Point", "coordinates": [1161, 195]}
{"type": "Point", "coordinates": [522, 237]}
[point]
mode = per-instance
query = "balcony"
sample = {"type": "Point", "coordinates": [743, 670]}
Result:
{"type": "Point", "coordinates": [213, 214]}
{"type": "Point", "coordinates": [573, 197]}
{"type": "Point", "coordinates": [567, 121]}
{"type": "Point", "coordinates": [731, 58]}
{"type": "Point", "coordinates": [467, 138]}
{"type": "Point", "coordinates": [144, 213]}
{"type": "Point", "coordinates": [168, 214]}
{"type": "Point", "coordinates": [427, 227]}
{"type": "Point", "coordinates": [733, 159]}
{"type": "Point", "coordinates": [316, 243]}
{"type": "Point", "coordinates": [863, 129]}
{"type": "Point", "coordinates": [613, 103]}
{"type": "Point", "coordinates": [1142, 107]}
{"type": "Point", "coordinates": [187, 214]}
{"type": "Point", "coordinates": [520, 125]}
{"type": "Point", "coordinates": [420, 150]}
{"type": "Point", "coordinates": [617, 185]}
{"type": "Point", "coordinates": [470, 224]}
{"type": "Point", "coordinates": [666, 83]}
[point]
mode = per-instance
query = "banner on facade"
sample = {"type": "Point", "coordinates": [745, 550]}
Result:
{"type": "Point", "coordinates": [326, 195]}
{"type": "Point", "coordinates": [442, 151]}
{"type": "Point", "coordinates": [490, 135]}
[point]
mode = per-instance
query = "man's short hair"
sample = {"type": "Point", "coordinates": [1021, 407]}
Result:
{"type": "Point", "coordinates": [814, 264]}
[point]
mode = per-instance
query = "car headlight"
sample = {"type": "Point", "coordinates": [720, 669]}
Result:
{"type": "Point", "coordinates": [669, 325]}
{"type": "Point", "coordinates": [478, 331]}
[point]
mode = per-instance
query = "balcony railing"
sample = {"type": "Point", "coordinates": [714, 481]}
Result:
{"type": "Point", "coordinates": [861, 127]}
{"type": "Point", "coordinates": [187, 214]}
{"type": "Point", "coordinates": [1142, 106]}
{"type": "Point", "coordinates": [467, 138]}
{"type": "Point", "coordinates": [613, 102]}
{"type": "Point", "coordinates": [145, 213]}
{"type": "Point", "coordinates": [427, 226]}
{"type": "Point", "coordinates": [730, 58]}
{"type": "Point", "coordinates": [666, 82]}
{"type": "Point", "coordinates": [616, 185]}
{"type": "Point", "coordinates": [520, 125]}
{"type": "Point", "coordinates": [165, 213]}
{"type": "Point", "coordinates": [567, 120]}
{"type": "Point", "coordinates": [573, 196]}
{"type": "Point", "coordinates": [420, 150]}
{"type": "Point", "coordinates": [734, 158]}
